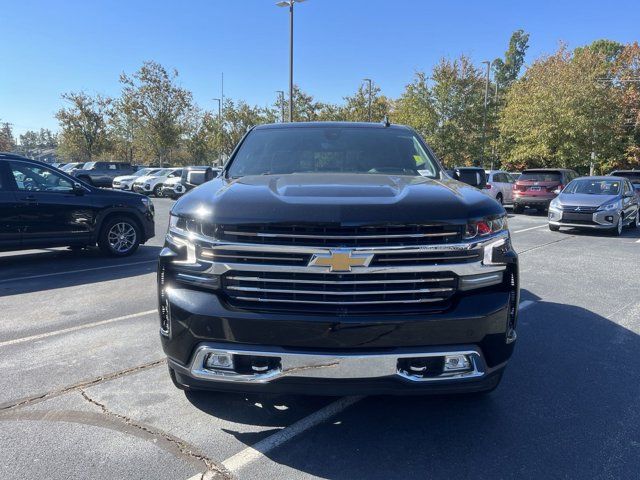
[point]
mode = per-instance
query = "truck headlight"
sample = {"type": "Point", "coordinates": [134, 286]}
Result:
{"type": "Point", "coordinates": [485, 227]}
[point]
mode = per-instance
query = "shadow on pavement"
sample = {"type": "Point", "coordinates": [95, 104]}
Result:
{"type": "Point", "coordinates": [568, 407]}
{"type": "Point", "coordinates": [41, 270]}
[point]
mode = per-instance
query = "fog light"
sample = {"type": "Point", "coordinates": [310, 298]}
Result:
{"type": "Point", "coordinates": [219, 360]}
{"type": "Point", "coordinates": [609, 218]}
{"type": "Point", "coordinates": [456, 363]}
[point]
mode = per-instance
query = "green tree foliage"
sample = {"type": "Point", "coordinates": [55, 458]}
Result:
{"type": "Point", "coordinates": [158, 105]}
{"type": "Point", "coordinates": [84, 126]}
{"type": "Point", "coordinates": [7, 140]}
{"type": "Point", "coordinates": [626, 76]}
{"type": "Point", "coordinates": [560, 112]}
{"type": "Point", "coordinates": [33, 142]}
{"type": "Point", "coordinates": [356, 108]}
{"type": "Point", "coordinates": [507, 70]}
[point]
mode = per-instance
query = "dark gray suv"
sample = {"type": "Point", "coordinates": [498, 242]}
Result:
{"type": "Point", "coordinates": [101, 174]}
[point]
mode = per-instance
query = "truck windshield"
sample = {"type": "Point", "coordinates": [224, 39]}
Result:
{"type": "Point", "coordinates": [594, 187]}
{"type": "Point", "coordinates": [389, 151]}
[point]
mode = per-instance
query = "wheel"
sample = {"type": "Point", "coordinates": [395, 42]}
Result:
{"type": "Point", "coordinates": [119, 237]}
{"type": "Point", "coordinates": [636, 222]}
{"type": "Point", "coordinates": [541, 209]}
{"type": "Point", "coordinates": [157, 191]}
{"type": "Point", "coordinates": [499, 199]}
{"type": "Point", "coordinates": [554, 228]}
{"type": "Point", "coordinates": [517, 208]}
{"type": "Point", "coordinates": [617, 230]}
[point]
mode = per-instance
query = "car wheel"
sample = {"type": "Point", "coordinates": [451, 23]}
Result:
{"type": "Point", "coordinates": [499, 199]}
{"type": "Point", "coordinates": [554, 228]}
{"type": "Point", "coordinates": [518, 208]}
{"type": "Point", "coordinates": [157, 191]}
{"type": "Point", "coordinates": [617, 230]}
{"type": "Point", "coordinates": [119, 237]}
{"type": "Point", "coordinates": [636, 223]}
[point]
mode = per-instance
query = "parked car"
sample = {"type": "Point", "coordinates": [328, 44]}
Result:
{"type": "Point", "coordinates": [474, 176]}
{"type": "Point", "coordinates": [197, 175]}
{"type": "Point", "coordinates": [605, 203]}
{"type": "Point", "coordinates": [515, 175]}
{"type": "Point", "coordinates": [151, 184]}
{"type": "Point", "coordinates": [632, 175]}
{"type": "Point", "coordinates": [536, 187]}
{"type": "Point", "coordinates": [101, 174]}
{"type": "Point", "coordinates": [173, 188]}
{"type": "Point", "coordinates": [125, 182]}
{"type": "Point", "coordinates": [500, 186]}
{"type": "Point", "coordinates": [70, 167]}
{"type": "Point", "coordinates": [322, 262]}
{"type": "Point", "coordinates": [43, 207]}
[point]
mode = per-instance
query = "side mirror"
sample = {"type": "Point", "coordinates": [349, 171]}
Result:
{"type": "Point", "coordinates": [78, 189]}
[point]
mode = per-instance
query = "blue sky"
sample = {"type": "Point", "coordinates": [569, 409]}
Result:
{"type": "Point", "coordinates": [52, 47]}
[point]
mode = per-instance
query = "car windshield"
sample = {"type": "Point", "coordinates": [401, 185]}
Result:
{"type": "Point", "coordinates": [142, 172]}
{"type": "Point", "coordinates": [89, 165]}
{"type": "Point", "coordinates": [163, 172]}
{"type": "Point", "coordinates": [540, 177]}
{"type": "Point", "coordinates": [594, 187]}
{"type": "Point", "coordinates": [332, 150]}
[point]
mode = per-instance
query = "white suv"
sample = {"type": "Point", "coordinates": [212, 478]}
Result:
{"type": "Point", "coordinates": [500, 186]}
{"type": "Point", "coordinates": [152, 184]}
{"type": "Point", "coordinates": [125, 182]}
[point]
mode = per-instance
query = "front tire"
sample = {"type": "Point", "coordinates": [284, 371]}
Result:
{"type": "Point", "coordinates": [554, 228]}
{"type": "Point", "coordinates": [119, 237]}
{"type": "Point", "coordinates": [517, 208]}
{"type": "Point", "coordinates": [499, 199]}
{"type": "Point", "coordinates": [157, 191]}
{"type": "Point", "coordinates": [617, 230]}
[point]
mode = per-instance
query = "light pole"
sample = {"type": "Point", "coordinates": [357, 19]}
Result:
{"type": "Point", "coordinates": [219, 108]}
{"type": "Point", "coordinates": [369, 81]}
{"type": "Point", "coordinates": [290, 4]}
{"type": "Point", "coordinates": [484, 114]}
{"type": "Point", "coordinates": [281, 97]}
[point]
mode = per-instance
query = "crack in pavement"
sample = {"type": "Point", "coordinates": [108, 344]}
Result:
{"type": "Point", "coordinates": [11, 405]}
{"type": "Point", "coordinates": [545, 244]}
{"type": "Point", "coordinates": [213, 471]}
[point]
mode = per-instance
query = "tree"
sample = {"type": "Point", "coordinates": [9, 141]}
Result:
{"type": "Point", "coordinates": [7, 141]}
{"type": "Point", "coordinates": [506, 71]}
{"type": "Point", "coordinates": [356, 108]}
{"type": "Point", "coordinates": [415, 107]}
{"type": "Point", "coordinates": [158, 105]}
{"type": "Point", "coordinates": [560, 112]}
{"type": "Point", "coordinates": [34, 142]}
{"type": "Point", "coordinates": [626, 76]}
{"type": "Point", "coordinates": [84, 126]}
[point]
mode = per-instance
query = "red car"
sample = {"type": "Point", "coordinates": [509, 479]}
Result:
{"type": "Point", "coordinates": [536, 187]}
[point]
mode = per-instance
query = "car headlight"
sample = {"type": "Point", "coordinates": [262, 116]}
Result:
{"type": "Point", "coordinates": [607, 207]}
{"type": "Point", "coordinates": [555, 203]}
{"type": "Point", "coordinates": [485, 227]}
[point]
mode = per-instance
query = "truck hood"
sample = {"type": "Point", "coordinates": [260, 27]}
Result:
{"type": "Point", "coordinates": [125, 178]}
{"type": "Point", "coordinates": [347, 199]}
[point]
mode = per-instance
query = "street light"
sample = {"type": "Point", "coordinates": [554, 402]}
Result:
{"type": "Point", "coordinates": [281, 97]}
{"type": "Point", "coordinates": [484, 114]}
{"type": "Point", "coordinates": [219, 108]}
{"type": "Point", "coordinates": [290, 4]}
{"type": "Point", "coordinates": [369, 80]}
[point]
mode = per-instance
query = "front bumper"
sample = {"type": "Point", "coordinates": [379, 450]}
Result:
{"type": "Point", "coordinates": [319, 372]}
{"type": "Point", "coordinates": [140, 189]}
{"type": "Point", "coordinates": [599, 220]}
{"type": "Point", "coordinates": [532, 201]}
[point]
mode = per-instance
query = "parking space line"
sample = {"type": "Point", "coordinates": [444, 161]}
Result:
{"type": "Point", "coordinates": [530, 228]}
{"type": "Point", "coordinates": [44, 275]}
{"type": "Point", "coordinates": [256, 451]}
{"type": "Point", "coordinates": [638, 241]}
{"type": "Point", "coordinates": [76, 328]}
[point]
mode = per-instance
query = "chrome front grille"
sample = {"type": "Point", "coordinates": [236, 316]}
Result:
{"type": "Point", "coordinates": [337, 236]}
{"type": "Point", "coordinates": [338, 292]}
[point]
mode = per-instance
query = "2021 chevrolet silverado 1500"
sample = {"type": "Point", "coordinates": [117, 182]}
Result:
{"type": "Point", "coordinates": [322, 262]}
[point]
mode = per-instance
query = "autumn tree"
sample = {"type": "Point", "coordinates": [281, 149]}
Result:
{"type": "Point", "coordinates": [7, 141]}
{"type": "Point", "coordinates": [159, 106]}
{"type": "Point", "coordinates": [356, 107]}
{"type": "Point", "coordinates": [560, 112]}
{"type": "Point", "coordinates": [507, 70]}
{"type": "Point", "coordinates": [83, 126]}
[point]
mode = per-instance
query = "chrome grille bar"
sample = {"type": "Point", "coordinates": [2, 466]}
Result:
{"type": "Point", "coordinates": [340, 237]}
{"type": "Point", "coordinates": [340, 282]}
{"type": "Point", "coordinates": [333, 292]}
{"type": "Point", "coordinates": [369, 302]}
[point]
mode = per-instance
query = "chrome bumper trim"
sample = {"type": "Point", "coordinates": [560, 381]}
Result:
{"type": "Point", "coordinates": [331, 366]}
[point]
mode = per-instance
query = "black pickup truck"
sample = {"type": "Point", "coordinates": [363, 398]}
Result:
{"type": "Point", "coordinates": [101, 174]}
{"type": "Point", "coordinates": [334, 259]}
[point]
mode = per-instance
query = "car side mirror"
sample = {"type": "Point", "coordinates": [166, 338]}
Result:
{"type": "Point", "coordinates": [78, 189]}
{"type": "Point", "coordinates": [629, 195]}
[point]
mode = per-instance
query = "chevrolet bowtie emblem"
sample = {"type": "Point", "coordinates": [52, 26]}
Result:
{"type": "Point", "coordinates": [340, 260]}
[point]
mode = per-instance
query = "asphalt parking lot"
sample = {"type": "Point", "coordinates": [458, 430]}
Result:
{"type": "Point", "coordinates": [86, 394]}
